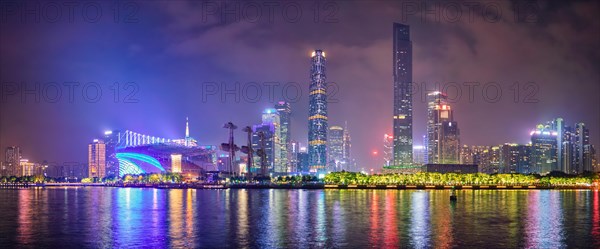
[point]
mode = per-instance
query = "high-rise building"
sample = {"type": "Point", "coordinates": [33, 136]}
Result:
{"type": "Point", "coordinates": [317, 120]}
{"type": "Point", "coordinates": [515, 158]}
{"type": "Point", "coordinates": [388, 149]}
{"type": "Point", "coordinates": [97, 159]}
{"type": "Point", "coordinates": [335, 148]}
{"type": "Point", "coordinates": [30, 168]}
{"type": "Point", "coordinates": [285, 112]}
{"type": "Point", "coordinates": [582, 159]}
{"type": "Point", "coordinates": [558, 126]}
{"type": "Point", "coordinates": [419, 154]}
{"type": "Point", "coordinates": [294, 150]}
{"type": "Point", "coordinates": [112, 140]}
{"type": "Point", "coordinates": [12, 161]}
{"type": "Point", "coordinates": [443, 141]}
{"type": "Point", "coordinates": [268, 143]}
{"type": "Point", "coordinates": [402, 68]}
{"type": "Point", "coordinates": [450, 142]}
{"type": "Point", "coordinates": [176, 163]}
{"type": "Point", "coordinates": [302, 159]}
{"type": "Point", "coordinates": [270, 116]}
{"type": "Point", "coordinates": [543, 149]}
{"type": "Point", "coordinates": [348, 162]}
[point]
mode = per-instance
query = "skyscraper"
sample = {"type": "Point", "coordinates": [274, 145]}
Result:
{"type": "Point", "coordinates": [285, 112]}
{"type": "Point", "coordinates": [111, 140]}
{"type": "Point", "coordinates": [317, 120]}
{"type": "Point", "coordinates": [302, 159]}
{"type": "Point", "coordinates": [97, 159]}
{"type": "Point", "coordinates": [582, 160]}
{"type": "Point", "coordinates": [271, 117]}
{"type": "Point", "coordinates": [348, 163]}
{"type": "Point", "coordinates": [558, 126]}
{"type": "Point", "coordinates": [543, 149]}
{"type": "Point", "coordinates": [515, 158]}
{"type": "Point", "coordinates": [294, 149]}
{"type": "Point", "coordinates": [12, 161]}
{"type": "Point", "coordinates": [402, 68]}
{"type": "Point", "coordinates": [388, 149]}
{"type": "Point", "coordinates": [443, 141]}
{"type": "Point", "coordinates": [335, 148]}
{"type": "Point", "coordinates": [268, 144]}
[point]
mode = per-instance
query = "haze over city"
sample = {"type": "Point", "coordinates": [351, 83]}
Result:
{"type": "Point", "coordinates": [172, 48]}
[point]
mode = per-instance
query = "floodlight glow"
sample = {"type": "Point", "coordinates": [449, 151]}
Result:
{"type": "Point", "coordinates": [127, 167]}
{"type": "Point", "coordinates": [140, 157]}
{"type": "Point", "coordinates": [107, 132]}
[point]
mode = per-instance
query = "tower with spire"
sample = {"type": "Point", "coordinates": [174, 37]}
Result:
{"type": "Point", "coordinates": [188, 141]}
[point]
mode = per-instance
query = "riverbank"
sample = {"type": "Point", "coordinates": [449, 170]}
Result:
{"type": "Point", "coordinates": [287, 186]}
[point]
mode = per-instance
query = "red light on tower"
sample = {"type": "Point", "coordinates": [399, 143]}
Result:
{"type": "Point", "coordinates": [375, 152]}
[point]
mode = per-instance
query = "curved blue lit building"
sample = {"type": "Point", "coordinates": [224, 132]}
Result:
{"type": "Point", "coordinates": [317, 114]}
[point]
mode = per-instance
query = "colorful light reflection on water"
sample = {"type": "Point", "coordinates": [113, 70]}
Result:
{"type": "Point", "coordinates": [127, 217]}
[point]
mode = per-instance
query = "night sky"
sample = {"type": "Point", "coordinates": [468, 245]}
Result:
{"type": "Point", "coordinates": [169, 49]}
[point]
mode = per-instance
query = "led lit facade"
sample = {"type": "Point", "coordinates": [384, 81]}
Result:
{"type": "Point", "coordinates": [137, 163]}
{"type": "Point", "coordinates": [403, 116]}
{"type": "Point", "coordinates": [317, 120]}
{"type": "Point", "coordinates": [97, 159]}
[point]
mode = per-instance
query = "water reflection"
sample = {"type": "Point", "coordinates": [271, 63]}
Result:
{"type": "Point", "coordinates": [420, 227]}
{"type": "Point", "coordinates": [96, 217]}
{"type": "Point", "coordinates": [544, 220]}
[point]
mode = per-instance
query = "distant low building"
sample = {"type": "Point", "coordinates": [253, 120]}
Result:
{"type": "Point", "coordinates": [451, 168]}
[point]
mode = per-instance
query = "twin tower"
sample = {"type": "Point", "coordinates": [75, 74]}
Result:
{"type": "Point", "coordinates": [403, 118]}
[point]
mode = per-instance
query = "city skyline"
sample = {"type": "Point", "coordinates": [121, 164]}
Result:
{"type": "Point", "coordinates": [356, 99]}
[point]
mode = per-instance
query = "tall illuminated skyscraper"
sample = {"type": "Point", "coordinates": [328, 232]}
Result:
{"type": "Point", "coordinates": [317, 120]}
{"type": "Point", "coordinates": [403, 139]}
{"type": "Point", "coordinates": [285, 112]}
{"type": "Point", "coordinates": [97, 159]}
